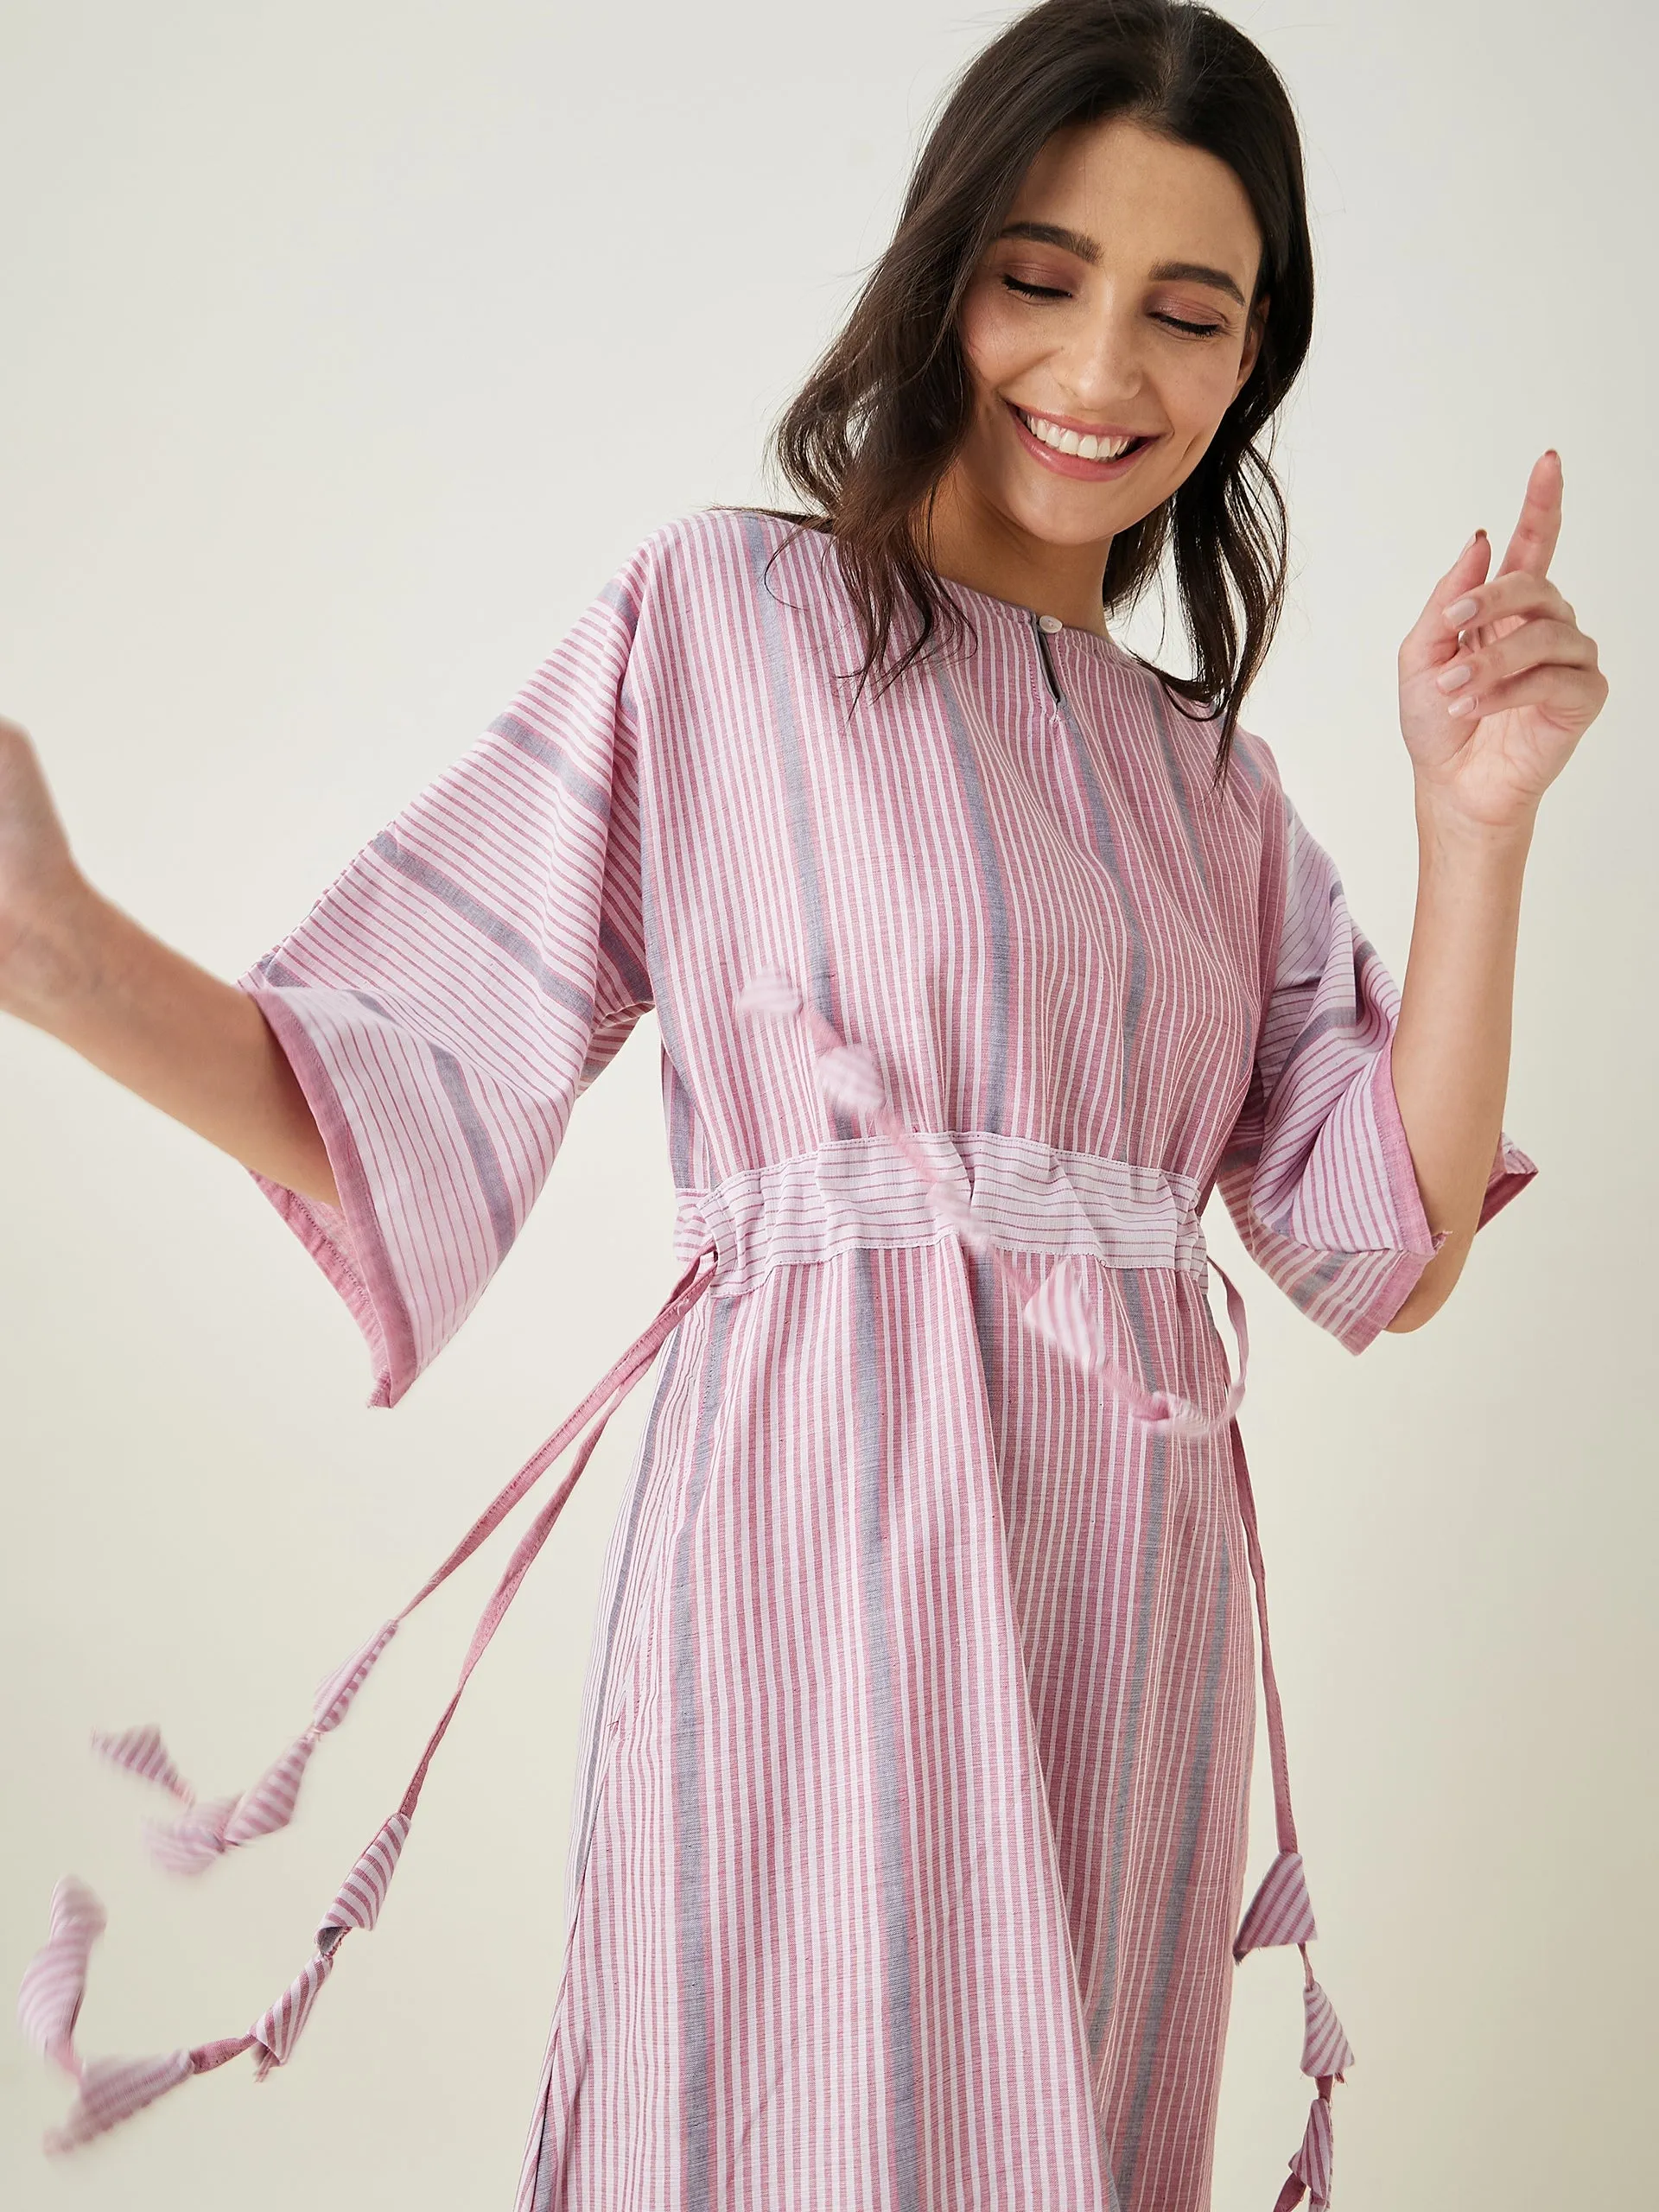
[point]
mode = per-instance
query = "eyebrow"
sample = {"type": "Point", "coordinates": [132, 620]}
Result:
{"type": "Point", "coordinates": [1086, 248]}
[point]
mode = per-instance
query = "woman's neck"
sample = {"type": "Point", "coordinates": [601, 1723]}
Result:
{"type": "Point", "coordinates": [971, 542]}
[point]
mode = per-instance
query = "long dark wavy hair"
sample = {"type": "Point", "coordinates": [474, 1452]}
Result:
{"type": "Point", "coordinates": [869, 436]}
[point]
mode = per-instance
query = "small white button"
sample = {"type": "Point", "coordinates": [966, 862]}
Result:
{"type": "Point", "coordinates": [1050, 622]}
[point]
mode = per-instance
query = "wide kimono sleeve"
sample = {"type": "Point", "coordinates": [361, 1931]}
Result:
{"type": "Point", "coordinates": [453, 992]}
{"type": "Point", "coordinates": [1317, 1174]}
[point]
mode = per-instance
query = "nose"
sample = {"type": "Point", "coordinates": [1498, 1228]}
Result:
{"type": "Point", "coordinates": [1101, 368]}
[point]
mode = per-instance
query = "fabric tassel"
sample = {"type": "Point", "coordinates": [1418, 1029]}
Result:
{"type": "Point", "coordinates": [335, 1692]}
{"type": "Point", "coordinates": [1280, 1911]}
{"type": "Point", "coordinates": [141, 1751]}
{"type": "Point", "coordinates": [54, 1981]}
{"type": "Point", "coordinates": [364, 1891]}
{"type": "Point", "coordinates": [848, 1077]}
{"type": "Point", "coordinates": [209, 1829]}
{"type": "Point", "coordinates": [269, 1805]}
{"type": "Point", "coordinates": [770, 995]}
{"type": "Point", "coordinates": [274, 2033]}
{"type": "Point", "coordinates": [1326, 2052]}
{"type": "Point", "coordinates": [190, 1846]}
{"type": "Point", "coordinates": [1310, 2170]}
{"type": "Point", "coordinates": [111, 2089]}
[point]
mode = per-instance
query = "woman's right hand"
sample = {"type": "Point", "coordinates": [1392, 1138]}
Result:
{"type": "Point", "coordinates": [74, 964]}
{"type": "Point", "coordinates": [40, 884]}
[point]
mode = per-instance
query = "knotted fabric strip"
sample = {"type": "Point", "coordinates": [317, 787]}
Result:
{"type": "Point", "coordinates": [54, 1983]}
{"type": "Point", "coordinates": [1282, 1911]}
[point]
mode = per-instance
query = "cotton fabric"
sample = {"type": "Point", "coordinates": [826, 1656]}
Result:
{"type": "Point", "coordinates": [908, 1839]}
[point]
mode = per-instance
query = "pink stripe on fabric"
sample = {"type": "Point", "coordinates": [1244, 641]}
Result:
{"type": "Point", "coordinates": [1280, 1911]}
{"type": "Point", "coordinates": [141, 1751]}
{"type": "Point", "coordinates": [1326, 2051]}
{"type": "Point", "coordinates": [48, 2003]}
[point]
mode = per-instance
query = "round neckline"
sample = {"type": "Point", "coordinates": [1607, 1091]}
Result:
{"type": "Point", "coordinates": [1009, 610]}
{"type": "Point", "coordinates": [1012, 611]}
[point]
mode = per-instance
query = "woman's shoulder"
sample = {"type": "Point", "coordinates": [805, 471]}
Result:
{"type": "Point", "coordinates": [712, 553]}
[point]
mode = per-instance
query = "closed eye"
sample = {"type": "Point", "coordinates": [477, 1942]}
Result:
{"type": "Point", "coordinates": [1035, 291]}
{"type": "Point", "coordinates": [1058, 292]}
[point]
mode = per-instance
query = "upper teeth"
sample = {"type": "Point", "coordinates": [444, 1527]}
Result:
{"type": "Point", "coordinates": [1070, 441]}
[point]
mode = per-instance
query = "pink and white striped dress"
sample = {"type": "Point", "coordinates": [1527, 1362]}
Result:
{"type": "Point", "coordinates": [907, 1854]}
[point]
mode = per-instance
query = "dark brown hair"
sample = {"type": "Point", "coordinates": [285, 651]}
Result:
{"type": "Point", "coordinates": [869, 436]}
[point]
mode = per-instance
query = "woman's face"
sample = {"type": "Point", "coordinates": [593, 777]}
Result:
{"type": "Point", "coordinates": [1113, 303]}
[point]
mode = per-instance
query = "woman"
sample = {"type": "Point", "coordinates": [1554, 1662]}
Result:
{"type": "Point", "coordinates": [907, 1855]}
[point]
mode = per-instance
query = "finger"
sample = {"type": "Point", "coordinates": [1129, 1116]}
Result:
{"type": "Point", "coordinates": [1533, 545]}
{"type": "Point", "coordinates": [1429, 641]}
{"type": "Point", "coordinates": [1521, 595]}
{"type": "Point", "coordinates": [1570, 696]}
{"type": "Point", "coordinates": [1536, 645]}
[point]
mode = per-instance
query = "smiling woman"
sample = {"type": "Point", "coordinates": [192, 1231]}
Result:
{"type": "Point", "coordinates": [1109, 203]}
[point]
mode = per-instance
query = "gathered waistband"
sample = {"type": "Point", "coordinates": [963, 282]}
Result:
{"type": "Point", "coordinates": [860, 1193]}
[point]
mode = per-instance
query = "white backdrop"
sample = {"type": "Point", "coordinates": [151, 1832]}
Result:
{"type": "Point", "coordinates": [347, 349]}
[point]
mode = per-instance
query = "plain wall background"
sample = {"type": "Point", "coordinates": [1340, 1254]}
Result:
{"type": "Point", "coordinates": [348, 349]}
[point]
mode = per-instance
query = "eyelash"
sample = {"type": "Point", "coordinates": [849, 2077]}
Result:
{"type": "Point", "coordinates": [1049, 292]}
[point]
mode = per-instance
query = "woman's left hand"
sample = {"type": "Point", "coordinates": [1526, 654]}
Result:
{"type": "Point", "coordinates": [1486, 747]}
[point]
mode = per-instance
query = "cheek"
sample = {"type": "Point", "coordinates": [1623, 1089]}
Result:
{"type": "Point", "coordinates": [1198, 391]}
{"type": "Point", "coordinates": [995, 346]}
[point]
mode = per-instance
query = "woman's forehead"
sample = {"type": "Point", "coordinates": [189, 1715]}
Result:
{"type": "Point", "coordinates": [1122, 189]}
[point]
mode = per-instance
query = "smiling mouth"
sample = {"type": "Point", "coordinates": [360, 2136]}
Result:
{"type": "Point", "coordinates": [1102, 447]}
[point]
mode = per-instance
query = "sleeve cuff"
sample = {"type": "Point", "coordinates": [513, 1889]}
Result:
{"type": "Point", "coordinates": [344, 1241]}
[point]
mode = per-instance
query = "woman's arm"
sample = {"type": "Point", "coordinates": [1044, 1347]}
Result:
{"type": "Point", "coordinates": [1451, 1043]}
{"type": "Point", "coordinates": [74, 966]}
{"type": "Point", "coordinates": [1497, 684]}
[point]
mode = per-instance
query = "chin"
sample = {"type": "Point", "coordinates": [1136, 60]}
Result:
{"type": "Point", "coordinates": [1061, 514]}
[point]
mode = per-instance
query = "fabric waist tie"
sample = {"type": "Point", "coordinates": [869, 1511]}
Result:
{"type": "Point", "coordinates": [54, 1983]}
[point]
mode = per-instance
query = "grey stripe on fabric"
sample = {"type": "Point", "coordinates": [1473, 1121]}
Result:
{"type": "Point", "coordinates": [802, 836]}
{"type": "Point", "coordinates": [698, 2054]}
{"type": "Point", "coordinates": [994, 1107]}
{"type": "Point", "coordinates": [1128, 1745]}
{"type": "Point", "coordinates": [476, 1137]}
{"type": "Point", "coordinates": [1159, 705]}
{"type": "Point", "coordinates": [617, 596]}
{"type": "Point", "coordinates": [640, 1490]}
{"type": "Point", "coordinates": [1175, 1906]}
{"type": "Point", "coordinates": [619, 953]}
{"type": "Point", "coordinates": [554, 758]}
{"type": "Point", "coordinates": [512, 942]}
{"type": "Point", "coordinates": [871, 1435]}
{"type": "Point", "coordinates": [1105, 843]}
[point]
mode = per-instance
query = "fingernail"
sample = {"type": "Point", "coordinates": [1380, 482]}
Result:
{"type": "Point", "coordinates": [1460, 610]}
{"type": "Point", "coordinates": [1468, 541]}
{"type": "Point", "coordinates": [1461, 706]}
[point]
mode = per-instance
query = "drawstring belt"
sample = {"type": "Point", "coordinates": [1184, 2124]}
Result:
{"type": "Point", "coordinates": [54, 1983]}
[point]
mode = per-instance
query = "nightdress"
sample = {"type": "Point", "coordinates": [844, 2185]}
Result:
{"type": "Point", "coordinates": [908, 1841]}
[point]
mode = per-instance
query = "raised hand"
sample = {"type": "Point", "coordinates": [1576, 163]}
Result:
{"type": "Point", "coordinates": [38, 878]}
{"type": "Point", "coordinates": [1498, 682]}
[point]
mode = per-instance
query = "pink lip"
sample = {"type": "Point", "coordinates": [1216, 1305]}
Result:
{"type": "Point", "coordinates": [1072, 464]}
